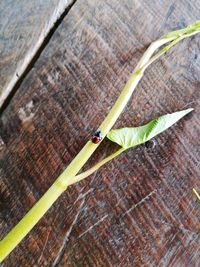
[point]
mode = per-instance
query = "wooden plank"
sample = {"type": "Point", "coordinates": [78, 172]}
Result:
{"type": "Point", "coordinates": [138, 210]}
{"type": "Point", "coordinates": [23, 28]}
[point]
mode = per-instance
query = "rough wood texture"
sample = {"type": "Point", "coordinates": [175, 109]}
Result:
{"type": "Point", "coordinates": [23, 28]}
{"type": "Point", "coordinates": [138, 210]}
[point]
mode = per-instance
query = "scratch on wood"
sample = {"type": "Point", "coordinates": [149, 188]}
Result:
{"type": "Point", "coordinates": [2, 144]}
{"type": "Point", "coordinates": [92, 226]}
{"type": "Point", "coordinates": [82, 195]}
{"type": "Point", "coordinates": [180, 227]}
{"type": "Point", "coordinates": [44, 247]}
{"type": "Point", "coordinates": [139, 203]}
{"type": "Point", "coordinates": [66, 237]}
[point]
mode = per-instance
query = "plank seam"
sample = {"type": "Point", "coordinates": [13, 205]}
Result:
{"type": "Point", "coordinates": [29, 61]}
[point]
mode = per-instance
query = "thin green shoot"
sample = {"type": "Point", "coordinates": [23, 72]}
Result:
{"type": "Point", "coordinates": [196, 193]}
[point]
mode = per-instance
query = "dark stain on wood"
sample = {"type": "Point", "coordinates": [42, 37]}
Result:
{"type": "Point", "coordinates": [139, 209]}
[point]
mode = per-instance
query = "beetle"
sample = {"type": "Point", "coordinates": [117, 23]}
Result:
{"type": "Point", "coordinates": [96, 138]}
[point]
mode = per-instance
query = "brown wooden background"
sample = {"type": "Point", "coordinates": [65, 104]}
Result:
{"type": "Point", "coordinates": [24, 26]}
{"type": "Point", "coordinates": [138, 210]}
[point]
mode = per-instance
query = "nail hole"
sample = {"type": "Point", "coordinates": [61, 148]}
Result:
{"type": "Point", "coordinates": [150, 144]}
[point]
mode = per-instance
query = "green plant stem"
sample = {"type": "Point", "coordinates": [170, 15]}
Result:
{"type": "Point", "coordinates": [41, 207]}
{"type": "Point", "coordinates": [196, 193]}
{"type": "Point", "coordinates": [87, 173]}
{"type": "Point", "coordinates": [162, 51]}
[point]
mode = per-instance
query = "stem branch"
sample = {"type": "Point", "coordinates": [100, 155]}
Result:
{"type": "Point", "coordinates": [87, 173]}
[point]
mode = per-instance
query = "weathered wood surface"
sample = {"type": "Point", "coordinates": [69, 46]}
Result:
{"type": "Point", "coordinates": [23, 28]}
{"type": "Point", "coordinates": [138, 210]}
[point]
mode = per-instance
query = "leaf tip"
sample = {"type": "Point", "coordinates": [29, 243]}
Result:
{"type": "Point", "coordinates": [188, 110]}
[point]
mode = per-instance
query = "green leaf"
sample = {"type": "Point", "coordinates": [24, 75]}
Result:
{"type": "Point", "coordinates": [131, 137]}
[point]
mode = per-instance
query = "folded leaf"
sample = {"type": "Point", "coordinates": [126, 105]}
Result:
{"type": "Point", "coordinates": [130, 137]}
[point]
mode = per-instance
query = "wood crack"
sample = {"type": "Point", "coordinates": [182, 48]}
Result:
{"type": "Point", "coordinates": [32, 56]}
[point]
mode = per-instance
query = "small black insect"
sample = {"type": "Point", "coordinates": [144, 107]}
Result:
{"type": "Point", "coordinates": [96, 138]}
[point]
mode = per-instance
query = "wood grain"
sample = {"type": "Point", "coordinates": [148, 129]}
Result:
{"type": "Point", "coordinates": [24, 26]}
{"type": "Point", "coordinates": [138, 210]}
